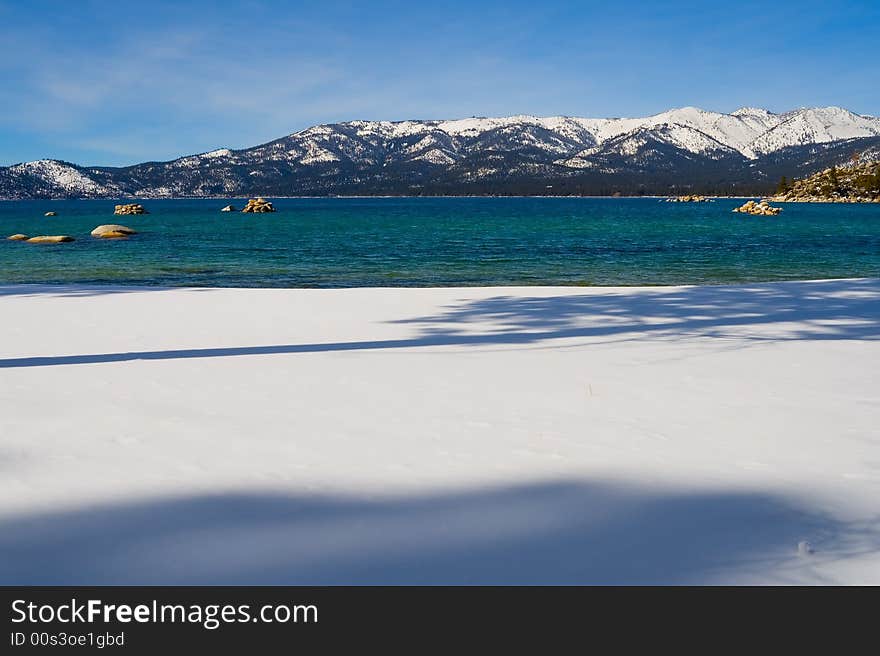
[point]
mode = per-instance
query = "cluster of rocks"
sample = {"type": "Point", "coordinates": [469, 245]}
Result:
{"type": "Point", "coordinates": [112, 231]}
{"type": "Point", "coordinates": [108, 231]}
{"type": "Point", "coordinates": [810, 198]}
{"type": "Point", "coordinates": [258, 205]}
{"type": "Point", "coordinates": [689, 199]}
{"type": "Point", "coordinates": [130, 208]}
{"type": "Point", "coordinates": [759, 209]}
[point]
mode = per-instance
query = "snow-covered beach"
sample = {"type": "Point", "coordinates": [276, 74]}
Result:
{"type": "Point", "coordinates": [723, 434]}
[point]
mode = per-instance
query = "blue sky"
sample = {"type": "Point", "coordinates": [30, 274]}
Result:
{"type": "Point", "coordinates": [115, 83]}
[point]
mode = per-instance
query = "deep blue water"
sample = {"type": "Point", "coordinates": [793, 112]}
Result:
{"type": "Point", "coordinates": [349, 242]}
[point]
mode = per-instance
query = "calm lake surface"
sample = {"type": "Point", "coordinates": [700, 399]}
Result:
{"type": "Point", "coordinates": [336, 242]}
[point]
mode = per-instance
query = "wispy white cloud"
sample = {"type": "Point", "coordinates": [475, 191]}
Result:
{"type": "Point", "coordinates": [117, 82]}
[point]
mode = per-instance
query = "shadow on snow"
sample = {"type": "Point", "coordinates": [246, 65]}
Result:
{"type": "Point", "coordinates": [820, 310]}
{"type": "Point", "coordinates": [538, 533]}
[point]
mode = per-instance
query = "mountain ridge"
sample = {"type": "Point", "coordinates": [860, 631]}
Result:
{"type": "Point", "coordinates": [685, 147]}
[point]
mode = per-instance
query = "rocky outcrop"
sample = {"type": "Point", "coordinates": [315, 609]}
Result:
{"type": "Point", "coordinates": [688, 199]}
{"type": "Point", "coordinates": [228, 208]}
{"type": "Point", "coordinates": [17, 237]}
{"type": "Point", "coordinates": [130, 208]}
{"type": "Point", "coordinates": [758, 209]}
{"type": "Point", "coordinates": [824, 199]}
{"type": "Point", "coordinates": [51, 214]}
{"type": "Point", "coordinates": [50, 239]}
{"type": "Point", "coordinates": [856, 182]}
{"type": "Point", "coordinates": [112, 230]}
{"type": "Point", "coordinates": [258, 205]}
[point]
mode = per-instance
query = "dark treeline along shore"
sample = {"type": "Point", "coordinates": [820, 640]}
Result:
{"type": "Point", "coordinates": [352, 242]}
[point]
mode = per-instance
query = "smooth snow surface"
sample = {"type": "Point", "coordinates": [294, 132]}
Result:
{"type": "Point", "coordinates": [477, 435]}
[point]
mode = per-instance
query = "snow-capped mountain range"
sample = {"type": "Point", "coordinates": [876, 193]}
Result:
{"type": "Point", "coordinates": [680, 148]}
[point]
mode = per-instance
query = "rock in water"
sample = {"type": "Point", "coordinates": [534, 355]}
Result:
{"type": "Point", "coordinates": [758, 209]}
{"type": "Point", "coordinates": [51, 214]}
{"type": "Point", "coordinates": [17, 237]}
{"type": "Point", "coordinates": [130, 208]}
{"type": "Point", "coordinates": [689, 199]}
{"type": "Point", "coordinates": [228, 208]}
{"type": "Point", "coordinates": [112, 230]}
{"type": "Point", "coordinates": [258, 205]}
{"type": "Point", "coordinates": [49, 239]}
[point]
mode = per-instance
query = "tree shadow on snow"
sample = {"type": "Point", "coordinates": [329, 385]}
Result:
{"type": "Point", "coordinates": [540, 533]}
{"type": "Point", "coordinates": [828, 309]}
{"type": "Point", "coordinates": [819, 310]}
{"type": "Point", "coordinates": [79, 291]}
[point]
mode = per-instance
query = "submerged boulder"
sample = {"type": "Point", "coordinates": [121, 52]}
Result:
{"type": "Point", "coordinates": [112, 230]}
{"type": "Point", "coordinates": [130, 208]}
{"type": "Point", "coordinates": [50, 239]}
{"type": "Point", "coordinates": [258, 205]}
{"type": "Point", "coordinates": [17, 237]}
{"type": "Point", "coordinates": [228, 208]}
{"type": "Point", "coordinates": [51, 214]}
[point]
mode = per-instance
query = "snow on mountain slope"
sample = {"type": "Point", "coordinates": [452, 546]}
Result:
{"type": "Point", "coordinates": [871, 154]}
{"type": "Point", "coordinates": [644, 143]}
{"type": "Point", "coordinates": [736, 131]}
{"type": "Point", "coordinates": [406, 155]}
{"type": "Point", "coordinates": [435, 156]}
{"type": "Point", "coordinates": [61, 175]}
{"type": "Point", "coordinates": [220, 152]}
{"type": "Point", "coordinates": [749, 131]}
{"type": "Point", "coordinates": [820, 125]}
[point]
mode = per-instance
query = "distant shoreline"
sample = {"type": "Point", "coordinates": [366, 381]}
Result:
{"type": "Point", "coordinates": [221, 198]}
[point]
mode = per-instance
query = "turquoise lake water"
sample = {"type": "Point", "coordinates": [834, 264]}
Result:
{"type": "Point", "coordinates": [336, 242]}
